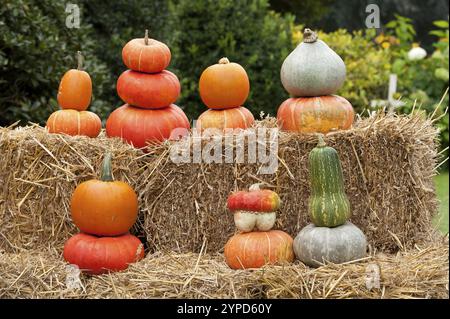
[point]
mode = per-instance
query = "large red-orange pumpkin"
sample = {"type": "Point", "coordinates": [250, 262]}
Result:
{"type": "Point", "coordinates": [234, 118]}
{"type": "Point", "coordinates": [98, 255]}
{"type": "Point", "coordinates": [75, 88]}
{"type": "Point", "coordinates": [73, 122]}
{"type": "Point", "coordinates": [320, 114]}
{"type": "Point", "coordinates": [224, 85]}
{"type": "Point", "coordinates": [104, 207]}
{"type": "Point", "coordinates": [150, 91]}
{"type": "Point", "coordinates": [255, 249]}
{"type": "Point", "coordinates": [146, 55]}
{"type": "Point", "coordinates": [138, 126]}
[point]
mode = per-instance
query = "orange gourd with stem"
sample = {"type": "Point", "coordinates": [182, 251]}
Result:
{"type": "Point", "coordinates": [104, 207]}
{"type": "Point", "coordinates": [224, 85]}
{"type": "Point", "coordinates": [75, 88]}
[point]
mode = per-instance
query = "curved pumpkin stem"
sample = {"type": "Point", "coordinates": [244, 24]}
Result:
{"type": "Point", "coordinates": [106, 174]}
{"type": "Point", "coordinates": [256, 187]}
{"type": "Point", "coordinates": [80, 60]}
{"type": "Point", "coordinates": [224, 60]}
{"type": "Point", "coordinates": [309, 36]}
{"type": "Point", "coordinates": [321, 142]}
{"type": "Point", "coordinates": [146, 37]}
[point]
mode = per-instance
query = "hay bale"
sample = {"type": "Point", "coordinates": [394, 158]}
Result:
{"type": "Point", "coordinates": [388, 165]}
{"type": "Point", "coordinates": [38, 173]}
{"type": "Point", "coordinates": [418, 273]}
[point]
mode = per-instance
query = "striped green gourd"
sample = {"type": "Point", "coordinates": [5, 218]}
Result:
{"type": "Point", "coordinates": [328, 204]}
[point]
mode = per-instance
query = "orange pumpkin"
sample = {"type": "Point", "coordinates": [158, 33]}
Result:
{"type": "Point", "coordinates": [104, 207]}
{"type": "Point", "coordinates": [72, 122]}
{"type": "Point", "coordinates": [98, 255]}
{"type": "Point", "coordinates": [224, 85]}
{"type": "Point", "coordinates": [146, 55]}
{"type": "Point", "coordinates": [138, 126]}
{"type": "Point", "coordinates": [150, 91]}
{"type": "Point", "coordinates": [320, 114]}
{"type": "Point", "coordinates": [256, 249]}
{"type": "Point", "coordinates": [75, 88]}
{"type": "Point", "coordinates": [235, 118]}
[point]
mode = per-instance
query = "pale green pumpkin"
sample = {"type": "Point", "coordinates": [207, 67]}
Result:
{"type": "Point", "coordinates": [312, 69]}
{"type": "Point", "coordinates": [328, 204]}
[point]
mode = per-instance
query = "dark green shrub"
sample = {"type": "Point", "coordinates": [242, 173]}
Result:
{"type": "Point", "coordinates": [36, 48]}
{"type": "Point", "coordinates": [246, 32]}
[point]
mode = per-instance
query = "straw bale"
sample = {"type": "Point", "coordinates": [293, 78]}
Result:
{"type": "Point", "coordinates": [388, 164]}
{"type": "Point", "coordinates": [421, 272]}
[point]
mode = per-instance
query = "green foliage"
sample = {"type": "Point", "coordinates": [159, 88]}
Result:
{"type": "Point", "coordinates": [244, 31]}
{"type": "Point", "coordinates": [423, 82]}
{"type": "Point", "coordinates": [35, 50]}
{"type": "Point", "coordinates": [308, 12]}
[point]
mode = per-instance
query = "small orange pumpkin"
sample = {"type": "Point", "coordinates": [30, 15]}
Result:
{"type": "Point", "coordinates": [256, 249]}
{"type": "Point", "coordinates": [320, 114]}
{"type": "Point", "coordinates": [149, 91]}
{"type": "Point", "coordinates": [75, 88]}
{"type": "Point", "coordinates": [146, 55]}
{"type": "Point", "coordinates": [72, 122]}
{"type": "Point", "coordinates": [234, 118]}
{"type": "Point", "coordinates": [224, 85]}
{"type": "Point", "coordinates": [104, 207]}
{"type": "Point", "coordinates": [98, 255]}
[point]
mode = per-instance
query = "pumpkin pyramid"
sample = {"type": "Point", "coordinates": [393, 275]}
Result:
{"type": "Point", "coordinates": [74, 97]}
{"type": "Point", "coordinates": [224, 87]}
{"type": "Point", "coordinates": [149, 91]}
{"type": "Point", "coordinates": [104, 210]}
{"type": "Point", "coordinates": [331, 237]}
{"type": "Point", "coordinates": [256, 244]}
{"type": "Point", "coordinates": [312, 74]}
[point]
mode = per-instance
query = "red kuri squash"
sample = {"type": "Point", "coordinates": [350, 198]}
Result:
{"type": "Point", "coordinates": [138, 126]}
{"type": "Point", "coordinates": [150, 91]}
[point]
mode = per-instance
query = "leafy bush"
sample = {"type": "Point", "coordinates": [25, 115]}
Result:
{"type": "Point", "coordinates": [246, 32]}
{"type": "Point", "coordinates": [36, 49]}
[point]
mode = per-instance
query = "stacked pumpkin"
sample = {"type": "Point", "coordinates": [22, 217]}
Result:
{"type": "Point", "coordinates": [74, 97]}
{"type": "Point", "coordinates": [149, 91]}
{"type": "Point", "coordinates": [312, 74]}
{"type": "Point", "coordinates": [331, 237]}
{"type": "Point", "coordinates": [104, 210]}
{"type": "Point", "coordinates": [256, 244]}
{"type": "Point", "coordinates": [224, 87]}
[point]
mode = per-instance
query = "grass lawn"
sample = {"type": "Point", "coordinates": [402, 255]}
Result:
{"type": "Point", "coordinates": [441, 219]}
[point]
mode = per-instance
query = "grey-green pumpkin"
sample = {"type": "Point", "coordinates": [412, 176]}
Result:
{"type": "Point", "coordinates": [317, 245]}
{"type": "Point", "coordinates": [328, 204]}
{"type": "Point", "coordinates": [312, 69]}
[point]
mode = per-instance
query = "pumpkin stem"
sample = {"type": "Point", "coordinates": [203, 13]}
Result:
{"type": "Point", "coordinates": [321, 142]}
{"type": "Point", "coordinates": [146, 37]}
{"type": "Point", "coordinates": [255, 187]}
{"type": "Point", "coordinates": [224, 61]}
{"type": "Point", "coordinates": [106, 174]}
{"type": "Point", "coordinates": [80, 60]}
{"type": "Point", "coordinates": [309, 36]}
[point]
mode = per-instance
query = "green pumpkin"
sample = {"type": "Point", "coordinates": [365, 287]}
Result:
{"type": "Point", "coordinates": [328, 204]}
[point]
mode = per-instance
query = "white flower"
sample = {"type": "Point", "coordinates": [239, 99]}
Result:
{"type": "Point", "coordinates": [417, 53]}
